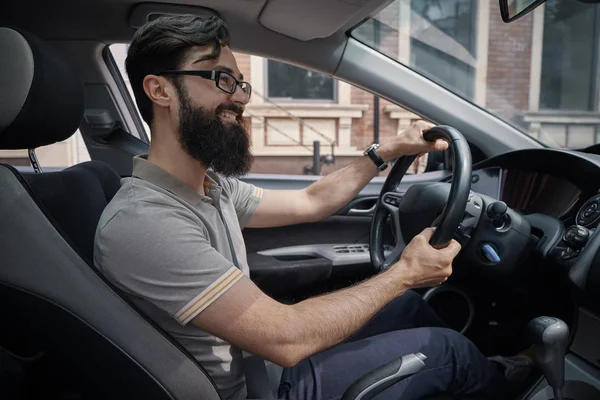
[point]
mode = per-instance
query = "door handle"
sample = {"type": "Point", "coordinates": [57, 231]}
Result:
{"type": "Point", "coordinates": [362, 211]}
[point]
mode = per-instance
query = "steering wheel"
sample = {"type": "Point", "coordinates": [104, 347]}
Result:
{"type": "Point", "coordinates": [423, 204]}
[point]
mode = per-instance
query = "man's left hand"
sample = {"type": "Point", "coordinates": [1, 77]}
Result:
{"type": "Point", "coordinates": [410, 142]}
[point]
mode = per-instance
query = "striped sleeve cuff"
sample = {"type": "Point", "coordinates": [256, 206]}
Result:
{"type": "Point", "coordinates": [208, 295]}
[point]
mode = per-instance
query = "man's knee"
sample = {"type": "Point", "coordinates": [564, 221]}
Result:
{"type": "Point", "coordinates": [453, 345]}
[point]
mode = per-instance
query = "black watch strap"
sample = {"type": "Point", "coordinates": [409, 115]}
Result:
{"type": "Point", "coordinates": [376, 158]}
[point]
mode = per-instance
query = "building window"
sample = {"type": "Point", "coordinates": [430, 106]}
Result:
{"type": "Point", "coordinates": [436, 27]}
{"type": "Point", "coordinates": [570, 57]}
{"type": "Point", "coordinates": [288, 82]}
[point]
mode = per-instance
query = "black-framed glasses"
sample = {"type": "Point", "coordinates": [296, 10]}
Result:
{"type": "Point", "coordinates": [224, 80]}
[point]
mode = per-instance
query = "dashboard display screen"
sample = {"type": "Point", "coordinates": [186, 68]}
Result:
{"type": "Point", "coordinates": [487, 181]}
{"type": "Point", "coordinates": [534, 192]}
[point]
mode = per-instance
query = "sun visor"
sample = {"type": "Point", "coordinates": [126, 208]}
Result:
{"type": "Point", "coordinates": [316, 19]}
{"type": "Point", "coordinates": [144, 12]}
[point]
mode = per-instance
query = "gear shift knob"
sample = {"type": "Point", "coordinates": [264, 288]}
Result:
{"type": "Point", "coordinates": [550, 337]}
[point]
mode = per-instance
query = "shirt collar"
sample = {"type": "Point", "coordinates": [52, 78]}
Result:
{"type": "Point", "coordinates": [150, 172]}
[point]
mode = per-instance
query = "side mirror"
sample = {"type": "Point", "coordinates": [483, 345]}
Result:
{"type": "Point", "coordinates": [512, 10]}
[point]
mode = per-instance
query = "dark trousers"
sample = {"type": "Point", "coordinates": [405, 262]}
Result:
{"type": "Point", "coordinates": [407, 325]}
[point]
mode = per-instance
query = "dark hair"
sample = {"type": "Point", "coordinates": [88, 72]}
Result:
{"type": "Point", "coordinates": [163, 44]}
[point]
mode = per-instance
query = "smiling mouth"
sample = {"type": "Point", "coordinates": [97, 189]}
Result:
{"type": "Point", "coordinates": [228, 116]}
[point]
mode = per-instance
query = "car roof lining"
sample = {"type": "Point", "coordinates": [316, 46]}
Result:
{"type": "Point", "coordinates": [268, 28]}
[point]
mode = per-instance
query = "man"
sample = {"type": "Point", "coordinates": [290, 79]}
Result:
{"type": "Point", "coordinates": [171, 239]}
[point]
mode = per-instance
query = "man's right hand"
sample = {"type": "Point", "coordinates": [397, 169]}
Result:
{"type": "Point", "coordinates": [421, 265]}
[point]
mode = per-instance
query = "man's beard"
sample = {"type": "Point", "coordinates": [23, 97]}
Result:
{"type": "Point", "coordinates": [222, 147]}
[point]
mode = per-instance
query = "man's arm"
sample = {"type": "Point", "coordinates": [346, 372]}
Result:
{"type": "Point", "coordinates": [287, 334]}
{"type": "Point", "coordinates": [332, 192]}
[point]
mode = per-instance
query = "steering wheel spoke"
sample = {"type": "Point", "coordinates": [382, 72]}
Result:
{"type": "Point", "coordinates": [392, 257]}
{"type": "Point", "coordinates": [391, 201]}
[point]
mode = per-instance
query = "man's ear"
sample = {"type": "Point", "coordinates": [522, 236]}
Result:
{"type": "Point", "coordinates": [159, 90]}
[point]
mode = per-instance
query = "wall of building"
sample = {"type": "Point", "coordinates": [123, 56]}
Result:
{"type": "Point", "coordinates": [509, 64]}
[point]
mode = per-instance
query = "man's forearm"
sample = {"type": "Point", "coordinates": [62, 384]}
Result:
{"type": "Point", "coordinates": [322, 322]}
{"type": "Point", "coordinates": [335, 190]}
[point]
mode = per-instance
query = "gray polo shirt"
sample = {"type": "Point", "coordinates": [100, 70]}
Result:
{"type": "Point", "coordinates": [166, 247]}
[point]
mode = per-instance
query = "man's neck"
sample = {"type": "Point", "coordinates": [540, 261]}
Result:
{"type": "Point", "coordinates": [169, 155]}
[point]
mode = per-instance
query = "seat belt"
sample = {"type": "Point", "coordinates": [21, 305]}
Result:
{"type": "Point", "coordinates": [258, 384]}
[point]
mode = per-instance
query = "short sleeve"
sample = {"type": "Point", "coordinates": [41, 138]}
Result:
{"type": "Point", "coordinates": [168, 261]}
{"type": "Point", "coordinates": [245, 197]}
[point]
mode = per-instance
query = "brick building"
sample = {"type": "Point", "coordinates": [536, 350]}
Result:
{"type": "Point", "coordinates": [540, 73]}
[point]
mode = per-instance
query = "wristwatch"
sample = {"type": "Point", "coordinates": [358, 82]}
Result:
{"type": "Point", "coordinates": [375, 157]}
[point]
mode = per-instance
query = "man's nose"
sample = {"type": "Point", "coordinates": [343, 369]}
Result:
{"type": "Point", "coordinates": [239, 96]}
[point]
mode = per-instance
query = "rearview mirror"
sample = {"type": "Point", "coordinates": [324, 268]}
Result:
{"type": "Point", "coordinates": [514, 9]}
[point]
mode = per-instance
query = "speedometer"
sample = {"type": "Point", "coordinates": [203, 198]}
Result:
{"type": "Point", "coordinates": [589, 213]}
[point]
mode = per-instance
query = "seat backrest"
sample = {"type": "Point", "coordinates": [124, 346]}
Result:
{"type": "Point", "coordinates": [75, 198]}
{"type": "Point", "coordinates": [85, 339]}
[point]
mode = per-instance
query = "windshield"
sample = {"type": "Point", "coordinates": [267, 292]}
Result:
{"type": "Point", "coordinates": [539, 73]}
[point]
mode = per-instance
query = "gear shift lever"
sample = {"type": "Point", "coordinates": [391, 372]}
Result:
{"type": "Point", "coordinates": [550, 336]}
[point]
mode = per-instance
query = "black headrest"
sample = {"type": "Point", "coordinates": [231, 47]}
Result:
{"type": "Point", "coordinates": [41, 99]}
